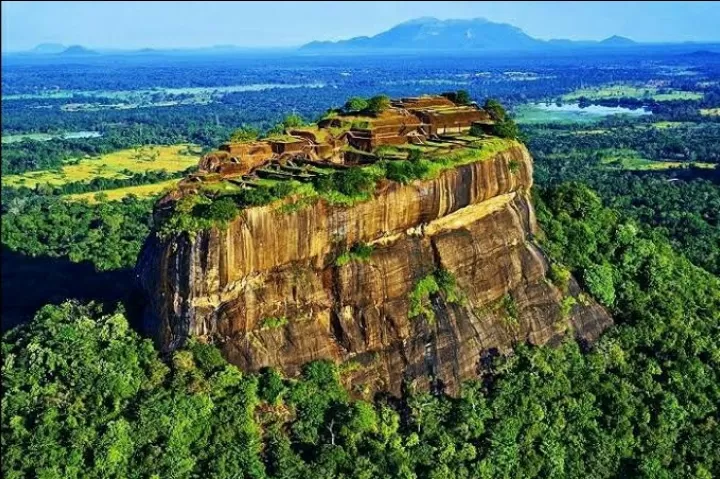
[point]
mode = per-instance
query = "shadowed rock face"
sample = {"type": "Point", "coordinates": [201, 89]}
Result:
{"type": "Point", "coordinates": [475, 222]}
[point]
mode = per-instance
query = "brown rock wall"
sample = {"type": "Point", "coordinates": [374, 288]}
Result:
{"type": "Point", "coordinates": [475, 222]}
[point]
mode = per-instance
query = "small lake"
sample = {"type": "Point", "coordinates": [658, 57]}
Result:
{"type": "Point", "coordinates": [571, 112]}
{"type": "Point", "coordinates": [71, 135]}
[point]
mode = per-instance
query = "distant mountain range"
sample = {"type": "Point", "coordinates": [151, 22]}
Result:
{"type": "Point", "coordinates": [476, 34]}
{"type": "Point", "coordinates": [60, 50]}
{"type": "Point", "coordinates": [422, 35]}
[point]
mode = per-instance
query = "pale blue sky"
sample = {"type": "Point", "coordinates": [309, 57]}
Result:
{"type": "Point", "coordinates": [198, 24]}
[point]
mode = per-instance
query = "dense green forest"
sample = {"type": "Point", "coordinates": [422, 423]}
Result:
{"type": "Point", "coordinates": [108, 234]}
{"type": "Point", "coordinates": [681, 203]}
{"type": "Point", "coordinates": [85, 396]}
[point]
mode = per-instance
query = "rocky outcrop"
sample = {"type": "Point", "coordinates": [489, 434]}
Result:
{"type": "Point", "coordinates": [268, 292]}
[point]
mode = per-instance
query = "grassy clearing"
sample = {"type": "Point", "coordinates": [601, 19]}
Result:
{"type": "Point", "coordinates": [664, 125]}
{"type": "Point", "coordinates": [627, 91]}
{"type": "Point", "coordinates": [113, 165]}
{"type": "Point", "coordinates": [710, 111]}
{"type": "Point", "coordinates": [596, 131]}
{"type": "Point", "coordinates": [221, 188]}
{"type": "Point", "coordinates": [531, 114]}
{"type": "Point", "coordinates": [141, 191]}
{"type": "Point", "coordinates": [534, 113]}
{"type": "Point", "coordinates": [26, 136]}
{"type": "Point", "coordinates": [628, 159]}
{"type": "Point", "coordinates": [486, 149]}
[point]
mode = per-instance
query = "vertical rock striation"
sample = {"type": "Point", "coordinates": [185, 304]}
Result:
{"type": "Point", "coordinates": [268, 292]}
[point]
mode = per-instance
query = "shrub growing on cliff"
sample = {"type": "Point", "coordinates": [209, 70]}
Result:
{"type": "Point", "coordinates": [377, 104]}
{"type": "Point", "coordinates": [405, 171]}
{"type": "Point", "coordinates": [358, 252]}
{"type": "Point", "coordinates": [420, 297]}
{"type": "Point", "coordinates": [194, 213]}
{"type": "Point", "coordinates": [460, 97]}
{"type": "Point", "coordinates": [355, 105]}
{"type": "Point", "coordinates": [264, 195]}
{"type": "Point", "coordinates": [274, 322]}
{"type": "Point", "coordinates": [495, 109]}
{"type": "Point", "coordinates": [447, 283]}
{"type": "Point", "coordinates": [560, 277]}
{"type": "Point", "coordinates": [510, 309]}
{"type": "Point", "coordinates": [359, 124]}
{"type": "Point", "coordinates": [506, 128]}
{"type": "Point", "coordinates": [439, 282]}
{"type": "Point", "coordinates": [414, 156]}
{"type": "Point", "coordinates": [220, 211]}
{"type": "Point", "coordinates": [352, 182]}
{"type": "Point", "coordinates": [183, 217]}
{"type": "Point", "coordinates": [244, 134]}
{"type": "Point", "coordinates": [293, 120]}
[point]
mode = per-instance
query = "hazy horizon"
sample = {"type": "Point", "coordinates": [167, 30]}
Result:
{"type": "Point", "coordinates": [136, 25]}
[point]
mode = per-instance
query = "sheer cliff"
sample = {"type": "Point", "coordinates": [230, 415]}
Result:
{"type": "Point", "coordinates": [450, 272]}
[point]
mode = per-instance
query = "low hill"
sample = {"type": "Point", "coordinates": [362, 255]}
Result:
{"type": "Point", "coordinates": [77, 50]}
{"type": "Point", "coordinates": [618, 41]}
{"type": "Point", "coordinates": [48, 48]}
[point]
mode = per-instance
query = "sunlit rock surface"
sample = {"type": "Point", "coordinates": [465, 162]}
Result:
{"type": "Point", "coordinates": [475, 221]}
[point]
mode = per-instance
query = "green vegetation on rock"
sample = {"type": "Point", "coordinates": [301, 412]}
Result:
{"type": "Point", "coordinates": [377, 104]}
{"type": "Point", "coordinates": [560, 277]}
{"type": "Point", "coordinates": [244, 135]}
{"type": "Point", "coordinates": [358, 252]}
{"type": "Point", "coordinates": [439, 282]}
{"type": "Point", "coordinates": [371, 106]}
{"type": "Point", "coordinates": [509, 310]}
{"type": "Point", "coordinates": [274, 322]}
{"type": "Point", "coordinates": [355, 105]}
{"type": "Point", "coordinates": [194, 213]}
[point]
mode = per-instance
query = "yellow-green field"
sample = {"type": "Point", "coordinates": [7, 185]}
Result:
{"type": "Point", "coordinates": [710, 111]}
{"type": "Point", "coordinates": [141, 191]}
{"type": "Point", "coordinates": [597, 131]}
{"type": "Point", "coordinates": [113, 165]}
{"type": "Point", "coordinates": [628, 159]}
{"type": "Point", "coordinates": [628, 91]}
{"type": "Point", "coordinates": [664, 125]}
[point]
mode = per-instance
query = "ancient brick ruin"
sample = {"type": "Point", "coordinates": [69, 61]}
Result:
{"type": "Point", "coordinates": [344, 138]}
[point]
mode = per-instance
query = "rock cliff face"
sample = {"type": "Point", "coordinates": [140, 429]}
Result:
{"type": "Point", "coordinates": [268, 292]}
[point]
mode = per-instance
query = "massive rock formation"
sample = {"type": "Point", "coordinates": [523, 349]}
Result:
{"type": "Point", "coordinates": [268, 292]}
